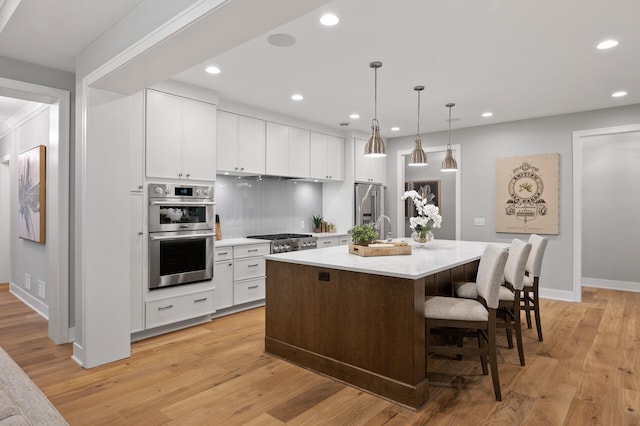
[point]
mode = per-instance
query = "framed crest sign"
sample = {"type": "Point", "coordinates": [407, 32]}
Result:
{"type": "Point", "coordinates": [527, 194]}
{"type": "Point", "coordinates": [31, 194]}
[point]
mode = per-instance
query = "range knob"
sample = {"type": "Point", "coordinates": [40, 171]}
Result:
{"type": "Point", "coordinates": [199, 191]}
{"type": "Point", "coordinates": [205, 192]}
{"type": "Point", "coordinates": [159, 190]}
{"type": "Point", "coordinates": [276, 248]}
{"type": "Point", "coordinates": [287, 247]}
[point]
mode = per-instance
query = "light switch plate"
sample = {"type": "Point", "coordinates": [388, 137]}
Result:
{"type": "Point", "coordinates": [27, 281]}
{"type": "Point", "coordinates": [478, 221]}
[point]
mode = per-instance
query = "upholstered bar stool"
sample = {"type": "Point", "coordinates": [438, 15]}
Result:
{"type": "Point", "coordinates": [531, 281]}
{"type": "Point", "coordinates": [510, 292]}
{"type": "Point", "coordinates": [443, 315]}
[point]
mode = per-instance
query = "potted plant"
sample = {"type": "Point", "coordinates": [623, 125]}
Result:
{"type": "Point", "coordinates": [363, 234]}
{"type": "Point", "coordinates": [317, 223]}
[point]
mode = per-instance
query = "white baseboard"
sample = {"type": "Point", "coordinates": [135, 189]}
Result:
{"type": "Point", "coordinates": [32, 302]}
{"type": "Point", "coordinates": [564, 295]}
{"type": "Point", "coordinates": [611, 284]}
{"type": "Point", "coordinates": [78, 354]}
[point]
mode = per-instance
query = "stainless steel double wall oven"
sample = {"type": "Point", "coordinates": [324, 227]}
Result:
{"type": "Point", "coordinates": [181, 234]}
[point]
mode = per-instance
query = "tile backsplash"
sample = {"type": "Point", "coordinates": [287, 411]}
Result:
{"type": "Point", "coordinates": [250, 206]}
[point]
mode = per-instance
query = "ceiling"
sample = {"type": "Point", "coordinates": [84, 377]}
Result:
{"type": "Point", "coordinates": [518, 59]}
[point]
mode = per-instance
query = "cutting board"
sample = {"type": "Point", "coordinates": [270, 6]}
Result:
{"type": "Point", "coordinates": [381, 248]}
{"type": "Point", "coordinates": [218, 231]}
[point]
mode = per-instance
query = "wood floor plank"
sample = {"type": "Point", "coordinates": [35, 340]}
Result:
{"type": "Point", "coordinates": [587, 371]}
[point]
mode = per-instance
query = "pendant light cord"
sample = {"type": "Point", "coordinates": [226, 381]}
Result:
{"type": "Point", "coordinates": [418, 134]}
{"type": "Point", "coordinates": [375, 95]}
{"type": "Point", "coordinates": [449, 142]}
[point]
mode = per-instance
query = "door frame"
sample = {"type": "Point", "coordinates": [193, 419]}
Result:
{"type": "Point", "coordinates": [57, 198]}
{"type": "Point", "coordinates": [578, 137]}
{"type": "Point", "coordinates": [400, 174]}
{"type": "Point", "coordinates": [7, 160]}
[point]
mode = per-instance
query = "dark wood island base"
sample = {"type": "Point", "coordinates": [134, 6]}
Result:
{"type": "Point", "coordinates": [363, 329]}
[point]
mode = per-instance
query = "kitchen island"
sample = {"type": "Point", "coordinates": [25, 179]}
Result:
{"type": "Point", "coordinates": [360, 319]}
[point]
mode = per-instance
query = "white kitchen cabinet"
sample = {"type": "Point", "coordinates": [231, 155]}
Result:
{"type": "Point", "coordinates": [136, 142]}
{"type": "Point", "coordinates": [334, 240]}
{"type": "Point", "coordinates": [136, 281]}
{"type": "Point", "coordinates": [179, 308]}
{"type": "Point", "coordinates": [287, 151]}
{"type": "Point", "coordinates": [368, 169]}
{"type": "Point", "coordinates": [241, 144]}
{"type": "Point", "coordinates": [181, 137]}
{"type": "Point", "coordinates": [249, 290]}
{"type": "Point", "coordinates": [223, 281]}
{"type": "Point", "coordinates": [326, 157]}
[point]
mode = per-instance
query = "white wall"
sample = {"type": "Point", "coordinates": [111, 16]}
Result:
{"type": "Point", "coordinates": [611, 207]}
{"type": "Point", "coordinates": [480, 146]}
{"type": "Point", "coordinates": [27, 257]}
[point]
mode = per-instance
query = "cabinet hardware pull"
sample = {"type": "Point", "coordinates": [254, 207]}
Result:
{"type": "Point", "coordinates": [253, 286]}
{"type": "Point", "coordinates": [326, 242]}
{"type": "Point", "coordinates": [200, 300]}
{"type": "Point", "coordinates": [140, 186]}
{"type": "Point", "coordinates": [223, 253]}
{"type": "Point", "coordinates": [179, 174]}
{"type": "Point", "coordinates": [231, 264]}
{"type": "Point", "coordinates": [188, 174]}
{"type": "Point", "coordinates": [140, 233]}
{"type": "Point", "coordinates": [162, 308]}
{"type": "Point", "coordinates": [252, 266]}
{"type": "Point", "coordinates": [252, 250]}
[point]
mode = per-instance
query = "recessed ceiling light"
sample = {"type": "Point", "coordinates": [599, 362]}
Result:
{"type": "Point", "coordinates": [607, 44]}
{"type": "Point", "coordinates": [487, 114]}
{"type": "Point", "coordinates": [329, 20]}
{"type": "Point", "coordinates": [354, 116]}
{"type": "Point", "coordinates": [297, 97]}
{"type": "Point", "coordinates": [395, 129]}
{"type": "Point", "coordinates": [619, 94]}
{"type": "Point", "coordinates": [213, 70]}
{"type": "Point", "coordinates": [281, 40]}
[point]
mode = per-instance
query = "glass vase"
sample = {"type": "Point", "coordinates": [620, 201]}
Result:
{"type": "Point", "coordinates": [422, 237]}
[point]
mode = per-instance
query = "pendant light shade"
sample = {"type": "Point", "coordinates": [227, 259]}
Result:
{"type": "Point", "coordinates": [418, 156]}
{"type": "Point", "coordinates": [449, 164]}
{"type": "Point", "coordinates": [375, 145]}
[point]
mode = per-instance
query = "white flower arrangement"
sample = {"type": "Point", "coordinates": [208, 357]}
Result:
{"type": "Point", "coordinates": [428, 214]}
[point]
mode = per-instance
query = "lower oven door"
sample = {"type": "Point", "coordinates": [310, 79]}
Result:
{"type": "Point", "coordinates": [180, 257]}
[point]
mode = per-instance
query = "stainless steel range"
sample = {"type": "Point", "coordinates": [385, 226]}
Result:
{"type": "Point", "coordinates": [281, 243]}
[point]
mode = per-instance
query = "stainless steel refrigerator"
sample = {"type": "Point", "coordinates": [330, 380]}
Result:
{"type": "Point", "coordinates": [369, 206]}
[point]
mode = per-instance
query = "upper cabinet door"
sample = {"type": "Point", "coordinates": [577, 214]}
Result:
{"type": "Point", "coordinates": [327, 157]}
{"type": "Point", "coordinates": [226, 141]}
{"type": "Point", "coordinates": [251, 145]}
{"type": "Point", "coordinates": [335, 158]}
{"type": "Point", "coordinates": [136, 143]}
{"type": "Point", "coordinates": [164, 135]}
{"type": "Point", "coordinates": [368, 169]}
{"type": "Point", "coordinates": [299, 152]}
{"type": "Point", "coordinates": [199, 140]}
{"type": "Point", "coordinates": [277, 150]}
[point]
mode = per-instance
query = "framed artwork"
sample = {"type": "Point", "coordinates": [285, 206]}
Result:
{"type": "Point", "coordinates": [428, 189]}
{"type": "Point", "coordinates": [31, 194]}
{"type": "Point", "coordinates": [527, 194]}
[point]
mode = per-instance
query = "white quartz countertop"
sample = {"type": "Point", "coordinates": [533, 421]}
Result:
{"type": "Point", "coordinates": [329, 234]}
{"type": "Point", "coordinates": [435, 256]}
{"type": "Point", "coordinates": [239, 242]}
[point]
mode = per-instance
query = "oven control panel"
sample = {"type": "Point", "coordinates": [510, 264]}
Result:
{"type": "Point", "coordinates": [167, 190]}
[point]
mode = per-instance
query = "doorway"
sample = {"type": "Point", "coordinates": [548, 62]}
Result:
{"type": "Point", "coordinates": [606, 206]}
{"type": "Point", "coordinates": [444, 185]}
{"type": "Point", "coordinates": [5, 224]}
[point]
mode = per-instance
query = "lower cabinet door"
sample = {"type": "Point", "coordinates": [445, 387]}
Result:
{"type": "Point", "coordinates": [223, 280]}
{"type": "Point", "coordinates": [179, 308]}
{"type": "Point", "coordinates": [248, 290]}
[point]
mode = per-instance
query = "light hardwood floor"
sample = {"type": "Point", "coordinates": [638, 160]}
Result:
{"type": "Point", "coordinates": [586, 372]}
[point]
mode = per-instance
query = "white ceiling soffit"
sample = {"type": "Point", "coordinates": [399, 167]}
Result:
{"type": "Point", "coordinates": [52, 33]}
{"type": "Point", "coordinates": [7, 7]}
{"type": "Point", "coordinates": [12, 110]}
{"type": "Point", "coordinates": [230, 24]}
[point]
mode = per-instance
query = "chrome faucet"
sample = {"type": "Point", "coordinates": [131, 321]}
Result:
{"type": "Point", "coordinates": [380, 226]}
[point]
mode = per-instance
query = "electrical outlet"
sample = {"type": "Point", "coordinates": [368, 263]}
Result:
{"type": "Point", "coordinates": [27, 281]}
{"type": "Point", "coordinates": [41, 289]}
{"type": "Point", "coordinates": [478, 221]}
{"type": "Point", "coordinates": [302, 224]}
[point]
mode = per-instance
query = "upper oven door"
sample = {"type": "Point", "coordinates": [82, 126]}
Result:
{"type": "Point", "coordinates": [177, 215]}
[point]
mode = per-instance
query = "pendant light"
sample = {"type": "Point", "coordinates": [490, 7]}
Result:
{"type": "Point", "coordinates": [449, 163]}
{"type": "Point", "coordinates": [375, 145]}
{"type": "Point", "coordinates": [418, 156]}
